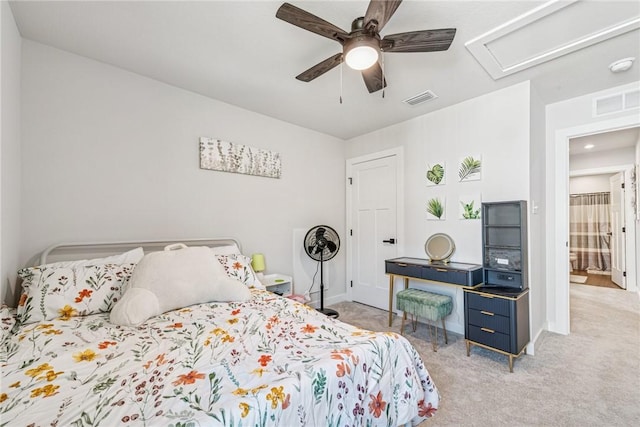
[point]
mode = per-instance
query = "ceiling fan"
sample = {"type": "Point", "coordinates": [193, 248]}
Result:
{"type": "Point", "coordinates": [361, 47]}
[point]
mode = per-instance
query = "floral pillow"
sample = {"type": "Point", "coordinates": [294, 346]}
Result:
{"type": "Point", "coordinates": [7, 320]}
{"type": "Point", "coordinates": [238, 267]}
{"type": "Point", "coordinates": [65, 292]}
{"type": "Point", "coordinates": [130, 257]}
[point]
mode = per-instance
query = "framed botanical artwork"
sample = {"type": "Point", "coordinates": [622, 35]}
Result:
{"type": "Point", "coordinates": [470, 168]}
{"type": "Point", "coordinates": [470, 207]}
{"type": "Point", "coordinates": [238, 158]}
{"type": "Point", "coordinates": [436, 173]}
{"type": "Point", "coordinates": [436, 208]}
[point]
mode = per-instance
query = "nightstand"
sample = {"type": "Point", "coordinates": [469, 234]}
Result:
{"type": "Point", "coordinates": [279, 284]}
{"type": "Point", "coordinates": [497, 320]}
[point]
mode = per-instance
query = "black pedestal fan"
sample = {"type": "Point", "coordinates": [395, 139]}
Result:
{"type": "Point", "coordinates": [321, 244]}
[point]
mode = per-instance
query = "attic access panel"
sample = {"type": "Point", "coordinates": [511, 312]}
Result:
{"type": "Point", "coordinates": [549, 31]}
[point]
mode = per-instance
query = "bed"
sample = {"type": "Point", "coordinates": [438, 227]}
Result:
{"type": "Point", "coordinates": [265, 361]}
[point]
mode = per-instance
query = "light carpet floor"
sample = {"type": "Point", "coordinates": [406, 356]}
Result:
{"type": "Point", "coordinates": [590, 377]}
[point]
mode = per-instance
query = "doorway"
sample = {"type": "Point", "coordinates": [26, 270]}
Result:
{"type": "Point", "coordinates": [558, 253]}
{"type": "Point", "coordinates": [597, 218]}
{"type": "Point", "coordinates": [375, 229]}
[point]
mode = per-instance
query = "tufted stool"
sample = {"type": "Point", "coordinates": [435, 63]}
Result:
{"type": "Point", "coordinates": [429, 305]}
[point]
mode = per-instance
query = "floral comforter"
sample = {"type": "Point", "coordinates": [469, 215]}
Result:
{"type": "Point", "coordinates": [267, 361]}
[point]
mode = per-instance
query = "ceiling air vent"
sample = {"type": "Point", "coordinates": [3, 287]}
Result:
{"type": "Point", "coordinates": [420, 98]}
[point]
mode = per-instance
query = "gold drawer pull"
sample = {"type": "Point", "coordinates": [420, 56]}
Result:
{"type": "Point", "coordinates": [442, 270]}
{"type": "Point", "coordinates": [488, 313]}
{"type": "Point", "coordinates": [402, 265]}
{"type": "Point", "coordinates": [491, 331]}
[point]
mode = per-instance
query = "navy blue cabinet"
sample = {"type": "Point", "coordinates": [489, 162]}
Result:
{"type": "Point", "coordinates": [504, 244]}
{"type": "Point", "coordinates": [497, 320]}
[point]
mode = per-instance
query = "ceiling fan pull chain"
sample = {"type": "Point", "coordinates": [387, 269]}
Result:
{"type": "Point", "coordinates": [341, 64]}
{"type": "Point", "coordinates": [383, 74]}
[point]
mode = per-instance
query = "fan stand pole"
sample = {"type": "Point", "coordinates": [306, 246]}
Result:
{"type": "Point", "coordinates": [325, 311]}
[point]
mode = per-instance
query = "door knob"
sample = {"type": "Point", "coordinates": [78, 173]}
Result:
{"type": "Point", "coordinates": [392, 241]}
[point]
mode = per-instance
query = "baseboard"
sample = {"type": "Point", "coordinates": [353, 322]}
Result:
{"type": "Point", "coordinates": [334, 299]}
{"type": "Point", "coordinates": [531, 350]}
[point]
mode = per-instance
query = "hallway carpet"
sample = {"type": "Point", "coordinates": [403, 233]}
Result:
{"type": "Point", "coordinates": [588, 378]}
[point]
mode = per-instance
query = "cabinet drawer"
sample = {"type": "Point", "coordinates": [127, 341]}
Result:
{"type": "Point", "coordinates": [487, 319]}
{"type": "Point", "coordinates": [444, 275]}
{"type": "Point", "coordinates": [488, 303]}
{"type": "Point", "coordinates": [488, 337]}
{"type": "Point", "coordinates": [504, 278]}
{"type": "Point", "coordinates": [402, 269]}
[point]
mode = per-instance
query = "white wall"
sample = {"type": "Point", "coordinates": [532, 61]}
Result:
{"type": "Point", "coordinates": [589, 184]}
{"type": "Point", "coordinates": [9, 151]}
{"type": "Point", "coordinates": [495, 126]}
{"type": "Point", "coordinates": [564, 120]}
{"type": "Point", "coordinates": [537, 226]}
{"type": "Point", "coordinates": [111, 155]}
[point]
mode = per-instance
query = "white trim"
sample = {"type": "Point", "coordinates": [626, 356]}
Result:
{"type": "Point", "coordinates": [480, 50]}
{"type": "Point", "coordinates": [328, 300]}
{"type": "Point", "coordinates": [399, 153]}
{"type": "Point", "coordinates": [557, 255]}
{"type": "Point", "coordinates": [600, 171]}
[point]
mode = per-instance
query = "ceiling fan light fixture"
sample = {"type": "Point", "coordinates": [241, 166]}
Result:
{"type": "Point", "coordinates": [361, 53]}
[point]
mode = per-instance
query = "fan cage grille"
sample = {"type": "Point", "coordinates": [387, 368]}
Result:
{"type": "Point", "coordinates": [315, 236]}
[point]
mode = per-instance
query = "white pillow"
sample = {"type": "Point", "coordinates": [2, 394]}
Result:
{"type": "Point", "coordinates": [226, 250]}
{"type": "Point", "coordinates": [174, 278]}
{"type": "Point", "coordinates": [130, 257]}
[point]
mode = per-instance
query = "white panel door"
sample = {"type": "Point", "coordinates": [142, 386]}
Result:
{"type": "Point", "coordinates": [374, 227]}
{"type": "Point", "coordinates": [617, 236]}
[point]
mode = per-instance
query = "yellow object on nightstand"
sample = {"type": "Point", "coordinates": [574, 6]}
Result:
{"type": "Point", "coordinates": [278, 284]}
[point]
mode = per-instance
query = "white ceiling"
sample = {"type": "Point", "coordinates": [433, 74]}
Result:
{"type": "Point", "coordinates": [605, 141]}
{"type": "Point", "coordinates": [239, 53]}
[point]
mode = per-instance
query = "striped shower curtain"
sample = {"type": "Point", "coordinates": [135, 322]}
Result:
{"type": "Point", "coordinates": [590, 231]}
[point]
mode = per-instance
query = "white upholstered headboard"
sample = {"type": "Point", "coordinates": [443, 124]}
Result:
{"type": "Point", "coordinates": [89, 250]}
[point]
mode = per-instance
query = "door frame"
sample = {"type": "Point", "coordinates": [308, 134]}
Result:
{"type": "Point", "coordinates": [557, 258]}
{"type": "Point", "coordinates": [398, 152]}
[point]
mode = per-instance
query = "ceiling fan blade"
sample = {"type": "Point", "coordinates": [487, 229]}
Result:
{"type": "Point", "coordinates": [303, 19]}
{"type": "Point", "coordinates": [379, 12]}
{"type": "Point", "coordinates": [373, 78]}
{"type": "Point", "coordinates": [320, 68]}
{"type": "Point", "coordinates": [419, 41]}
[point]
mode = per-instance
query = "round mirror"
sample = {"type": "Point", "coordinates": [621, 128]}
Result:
{"type": "Point", "coordinates": [439, 247]}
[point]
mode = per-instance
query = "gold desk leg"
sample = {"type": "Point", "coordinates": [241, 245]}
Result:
{"type": "Point", "coordinates": [510, 363]}
{"type": "Point", "coordinates": [446, 341]}
{"type": "Point", "coordinates": [391, 299]}
{"type": "Point", "coordinates": [406, 286]}
{"type": "Point", "coordinates": [468, 348]}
